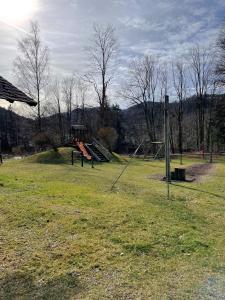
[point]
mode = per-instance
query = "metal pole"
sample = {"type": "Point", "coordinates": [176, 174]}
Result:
{"type": "Point", "coordinates": [129, 161]}
{"type": "Point", "coordinates": [157, 153]}
{"type": "Point", "coordinates": [1, 159]}
{"type": "Point", "coordinates": [167, 145]}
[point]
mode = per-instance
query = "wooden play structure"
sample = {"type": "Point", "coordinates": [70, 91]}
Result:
{"type": "Point", "coordinates": [90, 148]}
{"type": "Point", "coordinates": [159, 148]}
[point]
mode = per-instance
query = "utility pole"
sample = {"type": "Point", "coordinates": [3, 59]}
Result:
{"type": "Point", "coordinates": [211, 140]}
{"type": "Point", "coordinates": [1, 148]}
{"type": "Point", "coordinates": [167, 144]}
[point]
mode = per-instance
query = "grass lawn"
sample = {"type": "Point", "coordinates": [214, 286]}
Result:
{"type": "Point", "coordinates": [65, 235]}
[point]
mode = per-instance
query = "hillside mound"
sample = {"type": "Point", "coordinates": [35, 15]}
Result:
{"type": "Point", "coordinates": [118, 158]}
{"type": "Point", "coordinates": [62, 156]}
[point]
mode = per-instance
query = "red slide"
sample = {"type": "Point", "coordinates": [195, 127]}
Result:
{"type": "Point", "coordinates": [83, 150]}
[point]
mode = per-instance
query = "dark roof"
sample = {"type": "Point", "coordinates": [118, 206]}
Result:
{"type": "Point", "coordinates": [78, 127]}
{"type": "Point", "coordinates": [11, 93]}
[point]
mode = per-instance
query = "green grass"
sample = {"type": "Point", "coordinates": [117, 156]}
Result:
{"type": "Point", "coordinates": [65, 235]}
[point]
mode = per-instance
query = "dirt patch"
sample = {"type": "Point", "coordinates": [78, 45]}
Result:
{"type": "Point", "coordinates": [212, 288]}
{"type": "Point", "coordinates": [195, 172]}
{"type": "Point", "coordinates": [199, 171]}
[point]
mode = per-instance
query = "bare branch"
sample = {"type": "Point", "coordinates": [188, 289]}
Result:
{"type": "Point", "coordinates": [31, 67]}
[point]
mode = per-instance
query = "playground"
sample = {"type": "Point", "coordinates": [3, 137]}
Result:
{"type": "Point", "coordinates": [66, 234]}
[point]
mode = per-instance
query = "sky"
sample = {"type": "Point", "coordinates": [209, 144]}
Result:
{"type": "Point", "coordinates": [163, 27]}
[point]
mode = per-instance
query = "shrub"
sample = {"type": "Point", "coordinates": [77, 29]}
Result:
{"type": "Point", "coordinates": [18, 150]}
{"type": "Point", "coordinates": [109, 137]}
{"type": "Point", "coordinates": [44, 140]}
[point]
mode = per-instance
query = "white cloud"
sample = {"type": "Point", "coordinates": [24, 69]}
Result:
{"type": "Point", "coordinates": [164, 27]}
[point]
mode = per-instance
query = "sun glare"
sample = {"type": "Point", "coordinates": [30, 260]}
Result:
{"type": "Point", "coordinates": [16, 11]}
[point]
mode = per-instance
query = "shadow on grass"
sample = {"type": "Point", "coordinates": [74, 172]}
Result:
{"type": "Point", "coordinates": [198, 190]}
{"type": "Point", "coordinates": [219, 176]}
{"type": "Point", "coordinates": [156, 166]}
{"type": "Point", "coordinates": [22, 286]}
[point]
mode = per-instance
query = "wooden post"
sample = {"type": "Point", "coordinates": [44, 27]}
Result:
{"type": "Point", "coordinates": [167, 144]}
{"type": "Point", "coordinates": [180, 174]}
{"type": "Point", "coordinates": [181, 157]}
{"type": "Point", "coordinates": [1, 160]}
{"type": "Point", "coordinates": [211, 142]}
{"type": "Point", "coordinates": [72, 160]}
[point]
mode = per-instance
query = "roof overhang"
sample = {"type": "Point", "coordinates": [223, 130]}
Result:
{"type": "Point", "coordinates": [11, 93]}
{"type": "Point", "coordinates": [78, 127]}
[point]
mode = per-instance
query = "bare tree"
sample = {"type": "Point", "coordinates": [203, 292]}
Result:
{"type": "Point", "coordinates": [56, 93]}
{"type": "Point", "coordinates": [164, 80]}
{"type": "Point", "coordinates": [101, 54]}
{"type": "Point", "coordinates": [81, 92]}
{"type": "Point", "coordinates": [31, 67]}
{"type": "Point", "coordinates": [68, 90]}
{"type": "Point", "coordinates": [142, 89]}
{"type": "Point", "coordinates": [152, 72]}
{"type": "Point", "coordinates": [179, 82]}
{"type": "Point", "coordinates": [220, 62]}
{"type": "Point", "coordinates": [200, 71]}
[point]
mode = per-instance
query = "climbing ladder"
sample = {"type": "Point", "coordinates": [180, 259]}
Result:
{"type": "Point", "coordinates": [96, 153]}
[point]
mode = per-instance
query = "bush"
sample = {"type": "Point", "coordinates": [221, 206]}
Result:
{"type": "Point", "coordinates": [18, 150]}
{"type": "Point", "coordinates": [109, 137]}
{"type": "Point", "coordinates": [44, 141]}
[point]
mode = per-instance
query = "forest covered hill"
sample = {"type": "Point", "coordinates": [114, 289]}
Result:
{"type": "Point", "coordinates": [130, 125]}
